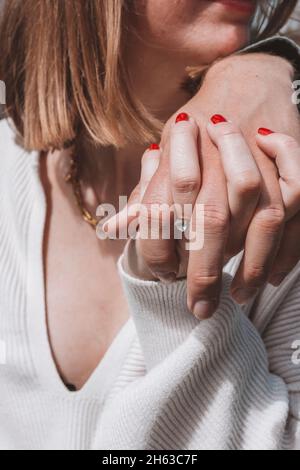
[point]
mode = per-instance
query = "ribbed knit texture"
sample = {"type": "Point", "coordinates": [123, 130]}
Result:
{"type": "Point", "coordinates": [168, 381]}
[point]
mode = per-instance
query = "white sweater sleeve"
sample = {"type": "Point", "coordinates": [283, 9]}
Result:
{"type": "Point", "coordinates": [209, 384]}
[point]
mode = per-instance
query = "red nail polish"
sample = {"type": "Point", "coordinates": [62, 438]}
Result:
{"type": "Point", "coordinates": [265, 131]}
{"type": "Point", "coordinates": [218, 119]}
{"type": "Point", "coordinates": [154, 147]}
{"type": "Point", "coordinates": [182, 117]}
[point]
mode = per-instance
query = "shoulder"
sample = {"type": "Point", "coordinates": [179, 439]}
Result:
{"type": "Point", "coordinates": [13, 157]}
{"type": "Point", "coordinates": [8, 141]}
{"type": "Point", "coordinates": [7, 132]}
{"type": "Point", "coordinates": [17, 167]}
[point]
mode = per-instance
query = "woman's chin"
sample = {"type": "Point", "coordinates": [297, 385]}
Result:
{"type": "Point", "coordinates": [221, 45]}
{"type": "Point", "coordinates": [235, 39]}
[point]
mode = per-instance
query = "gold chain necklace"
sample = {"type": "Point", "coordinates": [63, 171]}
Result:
{"type": "Point", "coordinates": [73, 177]}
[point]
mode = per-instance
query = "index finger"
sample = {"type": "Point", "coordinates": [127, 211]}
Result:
{"type": "Point", "coordinates": [206, 264]}
{"type": "Point", "coordinates": [184, 164]}
{"type": "Point", "coordinates": [285, 150]}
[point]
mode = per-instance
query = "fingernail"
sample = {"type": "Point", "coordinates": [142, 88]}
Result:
{"type": "Point", "coordinates": [167, 278]}
{"type": "Point", "coordinates": [154, 147]}
{"type": "Point", "coordinates": [182, 117]}
{"type": "Point", "coordinates": [204, 309]}
{"type": "Point", "coordinates": [265, 131]}
{"type": "Point", "coordinates": [277, 279]}
{"type": "Point", "coordinates": [218, 119]}
{"type": "Point", "coordinates": [242, 296]}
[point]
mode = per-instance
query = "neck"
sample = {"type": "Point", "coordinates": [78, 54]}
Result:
{"type": "Point", "coordinates": [157, 82]}
{"type": "Point", "coordinates": [156, 78]}
{"type": "Point", "coordinates": [158, 85]}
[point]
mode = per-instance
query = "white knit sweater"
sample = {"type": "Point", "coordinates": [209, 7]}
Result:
{"type": "Point", "coordinates": [168, 381]}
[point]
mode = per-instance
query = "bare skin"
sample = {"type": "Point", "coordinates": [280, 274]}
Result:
{"type": "Point", "coordinates": [85, 304]}
{"type": "Point", "coordinates": [80, 272]}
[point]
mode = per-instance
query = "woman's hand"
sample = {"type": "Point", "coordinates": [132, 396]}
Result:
{"type": "Point", "coordinates": [257, 78]}
{"type": "Point", "coordinates": [253, 90]}
{"type": "Point", "coordinates": [230, 199]}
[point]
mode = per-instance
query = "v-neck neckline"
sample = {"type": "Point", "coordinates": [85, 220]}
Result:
{"type": "Point", "coordinates": [101, 380]}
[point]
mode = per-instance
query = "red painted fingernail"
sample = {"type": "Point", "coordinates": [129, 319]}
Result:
{"type": "Point", "coordinates": [218, 119]}
{"type": "Point", "coordinates": [182, 117]}
{"type": "Point", "coordinates": [154, 147]}
{"type": "Point", "coordinates": [265, 131]}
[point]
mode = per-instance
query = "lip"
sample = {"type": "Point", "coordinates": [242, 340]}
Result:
{"type": "Point", "coordinates": [242, 6]}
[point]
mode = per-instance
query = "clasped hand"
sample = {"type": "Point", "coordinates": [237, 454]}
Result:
{"type": "Point", "coordinates": [235, 151]}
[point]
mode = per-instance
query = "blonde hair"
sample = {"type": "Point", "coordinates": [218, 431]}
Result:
{"type": "Point", "coordinates": [62, 62]}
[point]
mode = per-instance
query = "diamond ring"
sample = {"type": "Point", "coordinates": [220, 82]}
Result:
{"type": "Point", "coordinates": [182, 225]}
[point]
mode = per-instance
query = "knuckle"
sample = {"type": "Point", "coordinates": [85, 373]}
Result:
{"type": "Point", "coordinates": [186, 185]}
{"type": "Point", "coordinates": [255, 275]}
{"type": "Point", "coordinates": [248, 184]}
{"type": "Point", "coordinates": [230, 130]}
{"type": "Point", "coordinates": [153, 197]}
{"type": "Point", "coordinates": [215, 219]}
{"type": "Point", "coordinates": [157, 211]}
{"type": "Point", "coordinates": [156, 221]}
{"type": "Point", "coordinates": [157, 229]}
{"type": "Point", "coordinates": [271, 218]}
{"type": "Point", "coordinates": [203, 281]}
{"type": "Point", "coordinates": [157, 262]}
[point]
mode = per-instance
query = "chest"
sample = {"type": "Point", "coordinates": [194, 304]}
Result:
{"type": "Point", "coordinates": [85, 304]}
